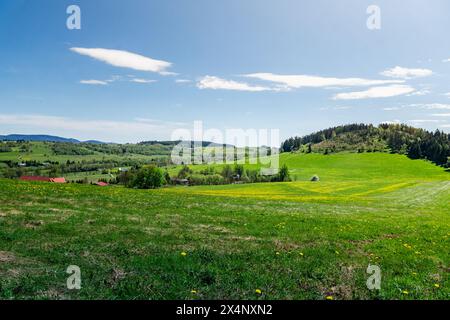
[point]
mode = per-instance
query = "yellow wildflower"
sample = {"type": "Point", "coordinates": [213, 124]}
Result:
{"type": "Point", "coordinates": [258, 291]}
{"type": "Point", "coordinates": [329, 297]}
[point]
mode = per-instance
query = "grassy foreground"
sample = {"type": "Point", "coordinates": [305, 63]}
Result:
{"type": "Point", "coordinates": [297, 240]}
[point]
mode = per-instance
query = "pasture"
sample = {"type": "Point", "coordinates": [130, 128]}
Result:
{"type": "Point", "coordinates": [291, 240]}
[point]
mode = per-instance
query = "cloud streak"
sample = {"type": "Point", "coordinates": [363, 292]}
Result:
{"type": "Point", "coordinates": [406, 73]}
{"type": "Point", "coordinates": [94, 82]}
{"type": "Point", "coordinates": [375, 92]}
{"type": "Point", "coordinates": [216, 83]}
{"type": "Point", "coordinates": [306, 81]}
{"type": "Point", "coordinates": [125, 59]}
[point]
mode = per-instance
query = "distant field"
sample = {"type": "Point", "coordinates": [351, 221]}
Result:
{"type": "Point", "coordinates": [295, 240]}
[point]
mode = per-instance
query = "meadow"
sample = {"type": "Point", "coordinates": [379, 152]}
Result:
{"type": "Point", "coordinates": [290, 240]}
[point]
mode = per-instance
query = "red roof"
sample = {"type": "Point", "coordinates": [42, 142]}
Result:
{"type": "Point", "coordinates": [46, 179]}
{"type": "Point", "coordinates": [34, 178]}
{"type": "Point", "coordinates": [101, 184]}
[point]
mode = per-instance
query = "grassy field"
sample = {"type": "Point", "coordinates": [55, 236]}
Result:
{"type": "Point", "coordinates": [41, 151]}
{"type": "Point", "coordinates": [296, 240]}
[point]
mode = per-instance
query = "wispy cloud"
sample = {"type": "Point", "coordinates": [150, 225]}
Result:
{"type": "Point", "coordinates": [139, 80]}
{"type": "Point", "coordinates": [108, 130]}
{"type": "Point", "coordinates": [406, 73]}
{"type": "Point", "coordinates": [183, 81]}
{"type": "Point", "coordinates": [446, 60]}
{"type": "Point", "coordinates": [431, 106]}
{"type": "Point", "coordinates": [125, 59]}
{"type": "Point", "coordinates": [422, 92]}
{"type": "Point", "coordinates": [94, 82]}
{"type": "Point", "coordinates": [212, 82]}
{"type": "Point", "coordinates": [441, 114]}
{"type": "Point", "coordinates": [425, 121]}
{"type": "Point", "coordinates": [306, 81]}
{"type": "Point", "coordinates": [375, 92]}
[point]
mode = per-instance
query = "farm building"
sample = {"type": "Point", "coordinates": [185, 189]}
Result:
{"type": "Point", "coordinates": [184, 182]}
{"type": "Point", "coordinates": [44, 179]}
{"type": "Point", "coordinates": [102, 184]}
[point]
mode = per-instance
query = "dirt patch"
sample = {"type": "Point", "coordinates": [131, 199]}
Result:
{"type": "Point", "coordinates": [117, 274]}
{"type": "Point", "coordinates": [209, 228]}
{"type": "Point", "coordinates": [34, 224]}
{"type": "Point", "coordinates": [390, 236]}
{"type": "Point", "coordinates": [6, 256]}
{"type": "Point", "coordinates": [286, 246]}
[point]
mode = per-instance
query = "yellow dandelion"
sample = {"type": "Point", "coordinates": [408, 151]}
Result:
{"type": "Point", "coordinates": [194, 291]}
{"type": "Point", "coordinates": [414, 273]}
{"type": "Point", "coordinates": [258, 291]}
{"type": "Point", "coordinates": [184, 254]}
{"type": "Point", "coordinates": [329, 297]}
{"type": "Point", "coordinates": [405, 292]}
{"type": "Point", "coordinates": [437, 285]}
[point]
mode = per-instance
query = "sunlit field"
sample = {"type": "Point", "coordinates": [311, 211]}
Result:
{"type": "Point", "coordinates": [291, 240]}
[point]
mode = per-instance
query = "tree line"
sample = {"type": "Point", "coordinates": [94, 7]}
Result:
{"type": "Point", "coordinates": [397, 138]}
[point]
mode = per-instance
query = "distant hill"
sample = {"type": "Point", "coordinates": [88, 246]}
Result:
{"type": "Point", "coordinates": [394, 138]}
{"type": "Point", "coordinates": [36, 137]}
{"type": "Point", "coordinates": [43, 137]}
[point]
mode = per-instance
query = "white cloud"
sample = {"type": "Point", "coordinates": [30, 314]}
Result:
{"type": "Point", "coordinates": [107, 130]}
{"type": "Point", "coordinates": [94, 82]}
{"type": "Point", "coordinates": [391, 108]}
{"type": "Point", "coordinates": [431, 106]}
{"type": "Point", "coordinates": [125, 59]}
{"type": "Point", "coordinates": [138, 80]}
{"type": "Point", "coordinates": [441, 114]}
{"type": "Point", "coordinates": [375, 92]}
{"type": "Point", "coordinates": [183, 81]}
{"type": "Point", "coordinates": [446, 60]}
{"type": "Point", "coordinates": [420, 93]}
{"type": "Point", "coordinates": [168, 73]}
{"type": "Point", "coordinates": [425, 121]}
{"type": "Point", "coordinates": [406, 73]}
{"type": "Point", "coordinates": [300, 81]}
{"type": "Point", "coordinates": [211, 82]}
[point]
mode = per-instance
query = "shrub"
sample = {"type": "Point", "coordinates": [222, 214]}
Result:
{"type": "Point", "coordinates": [150, 177]}
{"type": "Point", "coordinates": [283, 174]}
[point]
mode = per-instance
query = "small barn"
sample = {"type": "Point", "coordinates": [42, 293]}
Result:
{"type": "Point", "coordinates": [183, 182]}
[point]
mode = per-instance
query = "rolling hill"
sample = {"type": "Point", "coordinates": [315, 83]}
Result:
{"type": "Point", "coordinates": [291, 240]}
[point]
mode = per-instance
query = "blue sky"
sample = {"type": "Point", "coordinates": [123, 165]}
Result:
{"type": "Point", "coordinates": [138, 70]}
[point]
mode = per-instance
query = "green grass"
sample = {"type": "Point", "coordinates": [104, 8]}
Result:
{"type": "Point", "coordinates": [297, 240]}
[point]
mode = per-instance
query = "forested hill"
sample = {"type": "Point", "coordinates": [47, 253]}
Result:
{"type": "Point", "coordinates": [395, 138]}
